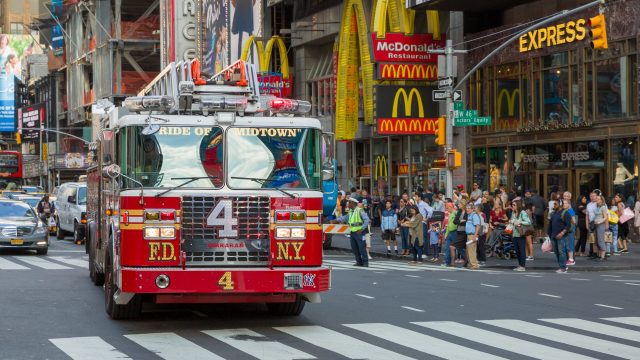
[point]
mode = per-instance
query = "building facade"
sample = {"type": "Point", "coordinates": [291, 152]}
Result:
{"type": "Point", "coordinates": [565, 115]}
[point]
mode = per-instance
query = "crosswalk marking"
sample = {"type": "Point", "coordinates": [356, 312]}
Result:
{"type": "Point", "coordinates": [71, 261]}
{"type": "Point", "coordinates": [90, 347]}
{"type": "Point", "coordinates": [257, 345]}
{"type": "Point", "coordinates": [342, 344]}
{"type": "Point", "coordinates": [635, 321]}
{"type": "Point", "coordinates": [42, 263]}
{"type": "Point", "coordinates": [346, 265]}
{"type": "Point", "coordinates": [599, 328]}
{"type": "Point", "coordinates": [170, 346]}
{"type": "Point", "coordinates": [500, 341]}
{"type": "Point", "coordinates": [9, 265]}
{"type": "Point", "coordinates": [567, 337]}
{"type": "Point", "coordinates": [421, 342]}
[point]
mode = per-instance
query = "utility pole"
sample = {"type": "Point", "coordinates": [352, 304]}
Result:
{"type": "Point", "coordinates": [451, 85]}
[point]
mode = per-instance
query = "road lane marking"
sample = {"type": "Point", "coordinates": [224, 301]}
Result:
{"type": "Point", "coordinates": [567, 337]}
{"type": "Point", "coordinates": [503, 342]}
{"type": "Point", "coordinates": [637, 281]}
{"type": "Point", "coordinates": [609, 306]}
{"type": "Point", "coordinates": [339, 343]}
{"type": "Point", "coordinates": [421, 342]}
{"type": "Point", "coordinates": [256, 345]}
{"type": "Point", "coordinates": [170, 346]}
{"type": "Point", "coordinates": [634, 321]}
{"type": "Point", "coordinates": [365, 296]}
{"type": "Point", "coordinates": [42, 263]}
{"type": "Point", "coordinates": [448, 280]}
{"type": "Point", "coordinates": [411, 308]}
{"type": "Point", "coordinates": [489, 285]}
{"type": "Point", "coordinates": [534, 276]}
{"type": "Point", "coordinates": [90, 347]}
{"type": "Point", "coordinates": [71, 261]}
{"type": "Point", "coordinates": [578, 279]}
{"type": "Point", "coordinates": [613, 276]}
{"type": "Point", "coordinates": [10, 265]}
{"type": "Point", "coordinates": [413, 276]}
{"type": "Point", "coordinates": [632, 284]}
{"type": "Point", "coordinates": [592, 326]}
{"type": "Point", "coordinates": [551, 296]}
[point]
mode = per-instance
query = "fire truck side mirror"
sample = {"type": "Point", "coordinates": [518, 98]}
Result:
{"type": "Point", "coordinates": [327, 174]}
{"type": "Point", "coordinates": [111, 171]}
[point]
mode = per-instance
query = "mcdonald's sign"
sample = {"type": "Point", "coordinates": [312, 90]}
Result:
{"type": "Point", "coordinates": [392, 71]}
{"type": "Point", "coordinates": [511, 95]}
{"type": "Point", "coordinates": [273, 83]}
{"type": "Point", "coordinates": [381, 167]}
{"type": "Point", "coordinates": [403, 169]}
{"type": "Point", "coordinates": [398, 47]}
{"type": "Point", "coordinates": [411, 110]}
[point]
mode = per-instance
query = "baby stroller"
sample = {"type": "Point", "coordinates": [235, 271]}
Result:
{"type": "Point", "coordinates": [500, 243]}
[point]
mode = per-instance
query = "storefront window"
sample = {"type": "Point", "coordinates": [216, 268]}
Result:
{"type": "Point", "coordinates": [624, 161]}
{"type": "Point", "coordinates": [507, 98]}
{"type": "Point", "coordinates": [611, 88]}
{"type": "Point", "coordinates": [498, 168]}
{"type": "Point", "coordinates": [556, 95]}
{"type": "Point", "coordinates": [592, 153]}
{"type": "Point", "coordinates": [381, 167]}
{"type": "Point", "coordinates": [550, 156]}
{"type": "Point", "coordinates": [480, 167]}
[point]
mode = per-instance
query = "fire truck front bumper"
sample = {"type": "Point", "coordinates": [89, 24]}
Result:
{"type": "Point", "coordinates": [225, 281]}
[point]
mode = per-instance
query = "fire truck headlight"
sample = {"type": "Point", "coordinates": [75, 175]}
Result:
{"type": "Point", "coordinates": [298, 233]}
{"type": "Point", "coordinates": [151, 232]}
{"type": "Point", "coordinates": [167, 233]}
{"type": "Point", "coordinates": [283, 233]}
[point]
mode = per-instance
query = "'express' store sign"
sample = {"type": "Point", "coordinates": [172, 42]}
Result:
{"type": "Point", "coordinates": [553, 35]}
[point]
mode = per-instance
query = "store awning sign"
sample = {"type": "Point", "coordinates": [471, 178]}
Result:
{"type": "Point", "coordinates": [398, 47]}
{"type": "Point", "coordinates": [553, 35]}
{"type": "Point", "coordinates": [411, 110]}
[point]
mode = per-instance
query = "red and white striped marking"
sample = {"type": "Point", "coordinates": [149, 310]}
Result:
{"type": "Point", "coordinates": [335, 229]}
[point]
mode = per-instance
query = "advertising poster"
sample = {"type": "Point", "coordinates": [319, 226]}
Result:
{"type": "Point", "coordinates": [30, 118]}
{"type": "Point", "coordinates": [12, 49]}
{"type": "Point", "coordinates": [245, 18]}
{"type": "Point", "coordinates": [216, 36]}
{"type": "Point", "coordinates": [57, 39]}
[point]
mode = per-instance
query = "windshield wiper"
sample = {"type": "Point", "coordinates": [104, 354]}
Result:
{"type": "Point", "coordinates": [189, 181]}
{"type": "Point", "coordinates": [262, 181]}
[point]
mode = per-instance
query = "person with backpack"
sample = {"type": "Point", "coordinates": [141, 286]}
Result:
{"type": "Point", "coordinates": [559, 228]}
{"type": "Point", "coordinates": [389, 223]}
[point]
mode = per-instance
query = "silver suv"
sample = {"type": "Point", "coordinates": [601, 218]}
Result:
{"type": "Point", "coordinates": [71, 210]}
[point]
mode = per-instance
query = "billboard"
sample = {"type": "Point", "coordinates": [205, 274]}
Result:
{"type": "Point", "coordinates": [12, 49]}
{"type": "Point", "coordinates": [397, 47]}
{"type": "Point", "coordinates": [245, 19]}
{"type": "Point", "coordinates": [215, 51]}
{"type": "Point", "coordinates": [411, 112]}
{"type": "Point", "coordinates": [57, 39]}
{"type": "Point", "coordinates": [31, 118]}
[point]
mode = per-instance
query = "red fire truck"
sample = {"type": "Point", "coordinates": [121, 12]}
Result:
{"type": "Point", "coordinates": [206, 192]}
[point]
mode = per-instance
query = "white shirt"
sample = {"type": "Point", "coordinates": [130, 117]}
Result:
{"type": "Point", "coordinates": [592, 208]}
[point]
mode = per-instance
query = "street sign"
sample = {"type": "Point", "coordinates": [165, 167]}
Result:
{"type": "Point", "coordinates": [472, 121]}
{"type": "Point", "coordinates": [445, 82]}
{"type": "Point", "coordinates": [457, 95]}
{"type": "Point", "coordinates": [442, 65]}
{"type": "Point", "coordinates": [439, 95]}
{"type": "Point", "coordinates": [458, 105]}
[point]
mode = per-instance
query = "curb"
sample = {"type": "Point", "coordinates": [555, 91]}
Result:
{"type": "Point", "coordinates": [573, 268]}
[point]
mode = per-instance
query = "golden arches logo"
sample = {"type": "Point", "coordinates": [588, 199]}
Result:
{"type": "Point", "coordinates": [407, 102]}
{"type": "Point", "coordinates": [400, 19]}
{"type": "Point", "coordinates": [381, 167]}
{"type": "Point", "coordinates": [264, 53]}
{"type": "Point", "coordinates": [409, 71]}
{"type": "Point", "coordinates": [511, 101]}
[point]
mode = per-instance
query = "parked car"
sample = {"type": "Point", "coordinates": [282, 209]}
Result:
{"type": "Point", "coordinates": [9, 194]}
{"type": "Point", "coordinates": [20, 228]}
{"type": "Point", "coordinates": [32, 189]}
{"type": "Point", "coordinates": [71, 211]}
{"type": "Point", "coordinates": [29, 199]}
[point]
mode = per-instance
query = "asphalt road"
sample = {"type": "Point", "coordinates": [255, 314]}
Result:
{"type": "Point", "coordinates": [391, 310]}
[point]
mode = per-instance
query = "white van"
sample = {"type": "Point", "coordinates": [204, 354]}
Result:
{"type": "Point", "coordinates": [71, 210]}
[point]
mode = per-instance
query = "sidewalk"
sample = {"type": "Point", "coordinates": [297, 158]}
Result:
{"type": "Point", "coordinates": [543, 261]}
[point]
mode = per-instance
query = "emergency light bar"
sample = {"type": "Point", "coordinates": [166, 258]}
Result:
{"type": "Point", "coordinates": [149, 103]}
{"type": "Point", "coordinates": [215, 103]}
{"type": "Point", "coordinates": [289, 106]}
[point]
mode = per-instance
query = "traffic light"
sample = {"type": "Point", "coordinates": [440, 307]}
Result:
{"type": "Point", "coordinates": [441, 131]}
{"type": "Point", "coordinates": [598, 32]}
{"type": "Point", "coordinates": [454, 159]}
{"type": "Point", "coordinates": [18, 138]}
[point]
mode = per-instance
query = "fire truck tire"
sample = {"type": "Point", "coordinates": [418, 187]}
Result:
{"type": "Point", "coordinates": [129, 311]}
{"type": "Point", "coordinates": [287, 309]}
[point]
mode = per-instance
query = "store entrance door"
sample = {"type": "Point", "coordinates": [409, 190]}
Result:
{"type": "Point", "coordinates": [588, 180]}
{"type": "Point", "coordinates": [553, 181]}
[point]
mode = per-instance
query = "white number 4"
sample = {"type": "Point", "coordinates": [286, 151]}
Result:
{"type": "Point", "coordinates": [227, 222]}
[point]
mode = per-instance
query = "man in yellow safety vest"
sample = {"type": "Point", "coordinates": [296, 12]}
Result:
{"type": "Point", "coordinates": [358, 222]}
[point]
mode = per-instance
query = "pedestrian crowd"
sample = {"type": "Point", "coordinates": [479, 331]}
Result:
{"type": "Point", "coordinates": [469, 227]}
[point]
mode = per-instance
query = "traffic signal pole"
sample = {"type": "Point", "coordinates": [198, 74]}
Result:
{"type": "Point", "coordinates": [449, 52]}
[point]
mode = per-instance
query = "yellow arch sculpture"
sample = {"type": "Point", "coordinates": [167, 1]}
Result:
{"type": "Point", "coordinates": [400, 19]}
{"type": "Point", "coordinates": [264, 53]}
{"type": "Point", "coordinates": [353, 46]}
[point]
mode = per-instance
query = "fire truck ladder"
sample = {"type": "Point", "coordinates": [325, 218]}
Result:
{"type": "Point", "coordinates": [191, 93]}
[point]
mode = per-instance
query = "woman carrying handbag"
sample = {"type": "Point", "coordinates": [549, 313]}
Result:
{"type": "Point", "coordinates": [520, 220]}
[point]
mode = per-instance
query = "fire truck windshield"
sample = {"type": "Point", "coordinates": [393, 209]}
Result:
{"type": "Point", "coordinates": [283, 157]}
{"type": "Point", "coordinates": [165, 158]}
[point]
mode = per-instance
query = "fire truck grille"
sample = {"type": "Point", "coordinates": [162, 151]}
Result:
{"type": "Point", "coordinates": [238, 235]}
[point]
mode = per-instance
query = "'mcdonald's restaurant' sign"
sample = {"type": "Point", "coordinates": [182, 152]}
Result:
{"type": "Point", "coordinates": [397, 47]}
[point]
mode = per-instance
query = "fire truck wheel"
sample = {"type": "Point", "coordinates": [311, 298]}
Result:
{"type": "Point", "coordinates": [287, 309]}
{"type": "Point", "coordinates": [129, 311]}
